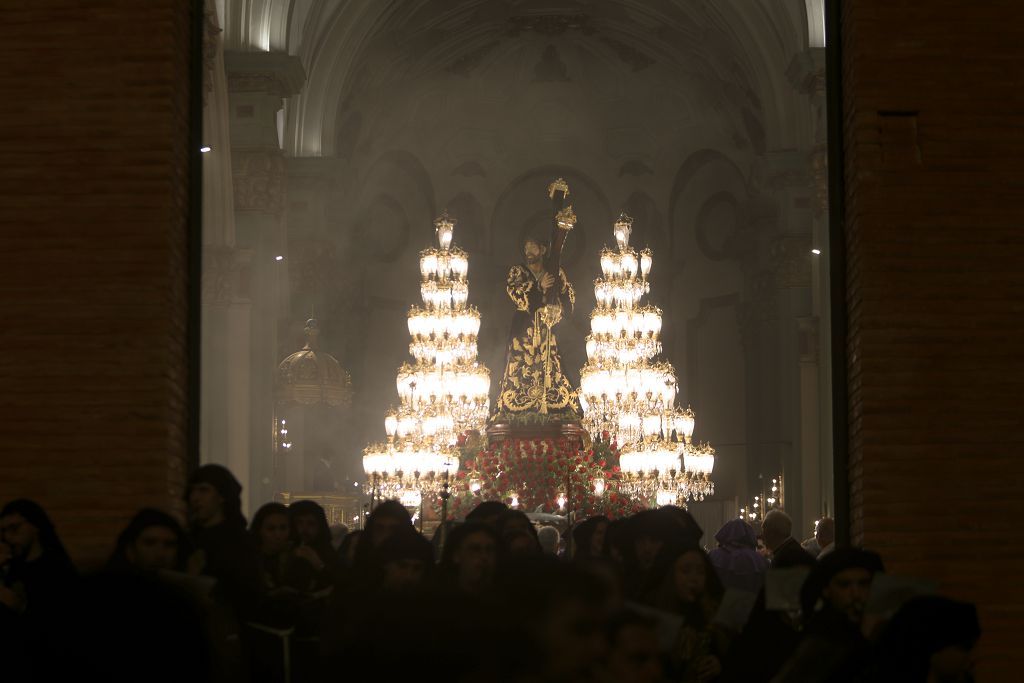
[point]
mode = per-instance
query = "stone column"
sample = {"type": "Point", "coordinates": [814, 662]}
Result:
{"type": "Point", "coordinates": [226, 306]}
{"type": "Point", "coordinates": [777, 298]}
{"type": "Point", "coordinates": [258, 83]}
{"type": "Point", "coordinates": [807, 74]}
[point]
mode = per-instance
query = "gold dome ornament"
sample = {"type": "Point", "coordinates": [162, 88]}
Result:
{"type": "Point", "coordinates": [313, 377]}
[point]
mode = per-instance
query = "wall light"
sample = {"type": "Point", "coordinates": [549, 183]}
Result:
{"type": "Point", "coordinates": [816, 252]}
{"type": "Point", "coordinates": [204, 149]}
{"type": "Point", "coordinates": [279, 258]}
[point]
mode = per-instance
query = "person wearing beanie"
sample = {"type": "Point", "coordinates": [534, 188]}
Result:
{"type": "Point", "coordinates": [833, 598]}
{"type": "Point", "coordinates": [224, 549]}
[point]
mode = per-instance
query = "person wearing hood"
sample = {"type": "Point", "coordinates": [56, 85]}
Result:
{"type": "Point", "coordinates": [833, 598]}
{"type": "Point", "coordinates": [736, 559]}
{"type": "Point", "coordinates": [152, 541]}
{"type": "Point", "coordinates": [38, 573]}
{"type": "Point", "coordinates": [224, 549]}
{"type": "Point", "coordinates": [37, 582]}
{"type": "Point", "coordinates": [313, 534]}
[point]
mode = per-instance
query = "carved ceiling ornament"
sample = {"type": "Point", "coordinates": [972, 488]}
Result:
{"type": "Point", "coordinates": [260, 180]}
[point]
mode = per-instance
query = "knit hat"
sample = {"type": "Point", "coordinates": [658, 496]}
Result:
{"type": "Point", "coordinates": [837, 561]}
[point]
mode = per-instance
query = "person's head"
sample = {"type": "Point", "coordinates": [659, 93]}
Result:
{"type": "Point", "coordinates": [841, 582]}
{"type": "Point", "coordinates": [633, 652]}
{"type": "Point", "coordinates": [214, 496]}
{"type": "Point", "coordinates": [736, 534]}
{"type": "Point", "coordinates": [930, 639]}
{"type": "Point", "coordinates": [309, 523]}
{"type": "Point", "coordinates": [549, 537]}
{"type": "Point", "coordinates": [489, 512]}
{"type": "Point", "coordinates": [271, 530]}
{"type": "Point", "coordinates": [28, 532]}
{"type": "Point", "coordinates": [563, 610]}
{"type": "Point", "coordinates": [386, 519]}
{"type": "Point", "coordinates": [825, 533]}
{"type": "Point", "coordinates": [683, 576]}
{"type": "Point", "coordinates": [152, 541]}
{"type": "Point", "coordinates": [588, 537]}
{"type": "Point", "coordinates": [470, 555]}
{"type": "Point", "coordinates": [404, 560]}
{"type": "Point", "coordinates": [651, 530]}
{"type": "Point", "coordinates": [518, 535]}
{"type": "Point", "coordinates": [776, 528]}
{"type": "Point", "coordinates": [534, 249]}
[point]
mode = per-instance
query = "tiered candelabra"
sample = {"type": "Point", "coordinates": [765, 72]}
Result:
{"type": "Point", "coordinates": [443, 393]}
{"type": "Point", "coordinates": [625, 392]}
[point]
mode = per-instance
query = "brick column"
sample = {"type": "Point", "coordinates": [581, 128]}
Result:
{"type": "Point", "coordinates": [934, 222]}
{"type": "Point", "coordinates": [94, 169]}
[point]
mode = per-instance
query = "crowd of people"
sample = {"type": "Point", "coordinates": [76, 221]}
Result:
{"type": "Point", "coordinates": [490, 598]}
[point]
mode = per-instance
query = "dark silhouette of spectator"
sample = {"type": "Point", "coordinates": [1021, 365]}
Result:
{"type": "Point", "coordinates": [38, 579]}
{"type": "Point", "coordinates": [152, 541]}
{"type": "Point", "coordinates": [313, 535]}
{"type": "Point", "coordinates": [469, 558]}
{"type": "Point", "coordinates": [930, 639]}
{"type": "Point", "coordinates": [518, 535]}
{"type": "Point", "coordinates": [736, 559]}
{"type": "Point", "coordinates": [225, 551]}
{"type": "Point", "coordinates": [559, 612]}
{"type": "Point", "coordinates": [282, 573]}
{"type": "Point", "coordinates": [833, 598]}
{"type": "Point", "coordinates": [589, 538]}
{"type": "Point", "coordinates": [633, 653]}
{"type": "Point", "coordinates": [348, 547]}
{"type": "Point", "coordinates": [385, 519]}
{"type": "Point", "coordinates": [39, 573]}
{"type": "Point", "coordinates": [769, 638]}
{"type": "Point", "coordinates": [777, 529]}
{"type": "Point", "coordinates": [684, 583]}
{"type": "Point", "coordinates": [488, 512]}
{"type": "Point", "coordinates": [403, 562]}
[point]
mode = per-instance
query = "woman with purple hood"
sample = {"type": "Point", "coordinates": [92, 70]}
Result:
{"type": "Point", "coordinates": [736, 559]}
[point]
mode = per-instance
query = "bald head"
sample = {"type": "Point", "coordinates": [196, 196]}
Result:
{"type": "Point", "coordinates": [776, 528]}
{"type": "Point", "coordinates": [825, 532]}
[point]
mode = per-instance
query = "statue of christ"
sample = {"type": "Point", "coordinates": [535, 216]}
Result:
{"type": "Point", "coordinates": [533, 388]}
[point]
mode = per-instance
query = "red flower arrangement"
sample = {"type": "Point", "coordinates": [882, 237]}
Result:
{"type": "Point", "coordinates": [538, 472]}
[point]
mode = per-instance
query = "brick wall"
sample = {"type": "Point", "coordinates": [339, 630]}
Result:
{"type": "Point", "coordinates": [934, 142]}
{"type": "Point", "coordinates": [94, 178]}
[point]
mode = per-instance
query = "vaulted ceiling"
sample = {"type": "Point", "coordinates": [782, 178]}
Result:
{"type": "Point", "coordinates": [728, 55]}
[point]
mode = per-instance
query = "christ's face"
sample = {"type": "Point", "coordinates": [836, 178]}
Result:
{"type": "Point", "coordinates": [533, 252]}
